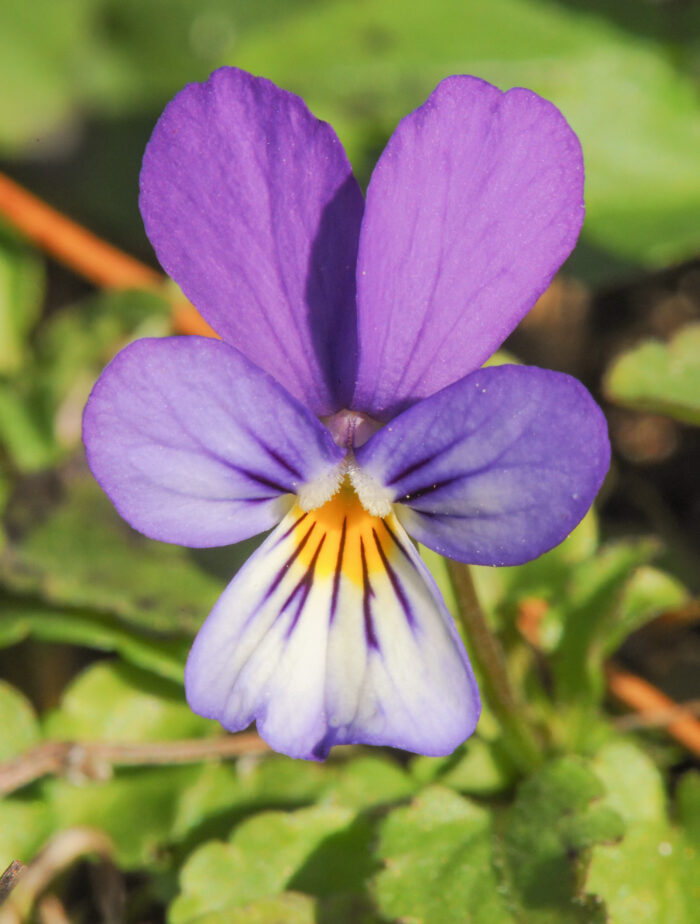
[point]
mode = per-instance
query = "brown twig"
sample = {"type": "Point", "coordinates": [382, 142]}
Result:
{"type": "Point", "coordinates": [51, 911]}
{"type": "Point", "coordinates": [660, 718]}
{"type": "Point", "coordinates": [648, 702]}
{"type": "Point", "coordinates": [88, 255]}
{"type": "Point", "coordinates": [94, 759]}
{"type": "Point", "coordinates": [61, 852]}
{"type": "Point", "coordinates": [9, 878]}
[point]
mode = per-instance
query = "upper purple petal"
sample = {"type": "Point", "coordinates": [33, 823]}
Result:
{"type": "Point", "coordinates": [472, 207]}
{"type": "Point", "coordinates": [251, 206]}
{"type": "Point", "coordinates": [196, 445]}
{"type": "Point", "coordinates": [497, 468]}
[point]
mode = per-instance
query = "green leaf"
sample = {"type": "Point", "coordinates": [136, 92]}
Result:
{"type": "Point", "coordinates": [82, 556]}
{"type": "Point", "coordinates": [479, 768]}
{"type": "Point", "coordinates": [42, 44]}
{"type": "Point", "coordinates": [658, 377]}
{"type": "Point", "coordinates": [157, 815]}
{"type": "Point", "coordinates": [605, 599]}
{"type": "Point", "coordinates": [635, 113]}
{"type": "Point", "coordinates": [24, 435]}
{"type": "Point", "coordinates": [321, 851]}
{"type": "Point", "coordinates": [450, 860]}
{"type": "Point", "coordinates": [288, 908]}
{"type": "Point", "coordinates": [545, 839]}
{"type": "Point", "coordinates": [21, 293]}
{"type": "Point", "coordinates": [20, 728]}
{"type": "Point", "coordinates": [25, 821]}
{"type": "Point", "coordinates": [647, 594]}
{"type": "Point", "coordinates": [141, 809]}
{"type": "Point", "coordinates": [113, 57]}
{"type": "Point", "coordinates": [688, 806]}
{"type": "Point", "coordinates": [226, 793]}
{"type": "Point", "coordinates": [78, 341]}
{"type": "Point", "coordinates": [650, 877]}
{"type": "Point", "coordinates": [588, 613]}
{"type": "Point", "coordinates": [142, 59]}
{"type": "Point", "coordinates": [136, 808]}
{"type": "Point", "coordinates": [111, 701]}
{"type": "Point", "coordinates": [438, 863]}
{"type": "Point", "coordinates": [25, 617]}
{"type": "Point", "coordinates": [369, 781]}
{"type": "Point", "coordinates": [25, 825]}
{"type": "Point", "coordinates": [76, 344]}
{"type": "Point", "coordinates": [438, 568]}
{"type": "Point", "coordinates": [41, 411]}
{"type": "Point", "coordinates": [278, 779]}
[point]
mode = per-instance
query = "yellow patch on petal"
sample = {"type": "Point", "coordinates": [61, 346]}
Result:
{"type": "Point", "coordinates": [342, 537]}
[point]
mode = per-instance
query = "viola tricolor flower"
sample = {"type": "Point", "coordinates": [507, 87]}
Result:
{"type": "Point", "coordinates": [344, 406]}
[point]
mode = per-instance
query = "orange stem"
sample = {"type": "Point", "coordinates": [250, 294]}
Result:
{"type": "Point", "coordinates": [72, 244]}
{"type": "Point", "coordinates": [645, 699]}
{"type": "Point", "coordinates": [87, 254]}
{"type": "Point", "coordinates": [187, 320]}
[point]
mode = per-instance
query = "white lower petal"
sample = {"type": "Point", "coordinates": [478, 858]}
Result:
{"type": "Point", "coordinates": [334, 632]}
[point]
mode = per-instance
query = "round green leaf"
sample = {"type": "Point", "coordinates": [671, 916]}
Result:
{"type": "Point", "coordinates": [321, 851]}
{"type": "Point", "coordinates": [112, 701]}
{"type": "Point", "coordinates": [658, 377]}
{"type": "Point", "coordinates": [20, 728]}
{"type": "Point", "coordinates": [650, 877]}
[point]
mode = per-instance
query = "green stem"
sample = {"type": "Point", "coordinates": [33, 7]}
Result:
{"type": "Point", "coordinates": [487, 654]}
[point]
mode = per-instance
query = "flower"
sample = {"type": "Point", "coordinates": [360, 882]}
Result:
{"type": "Point", "coordinates": [344, 406]}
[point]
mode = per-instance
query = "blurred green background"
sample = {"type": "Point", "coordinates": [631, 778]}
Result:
{"type": "Point", "coordinates": [96, 621]}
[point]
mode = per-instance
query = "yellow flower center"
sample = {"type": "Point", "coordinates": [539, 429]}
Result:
{"type": "Point", "coordinates": [343, 537]}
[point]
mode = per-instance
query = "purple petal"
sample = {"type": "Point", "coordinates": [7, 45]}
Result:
{"type": "Point", "coordinates": [196, 445]}
{"type": "Point", "coordinates": [497, 468]}
{"type": "Point", "coordinates": [472, 207]}
{"type": "Point", "coordinates": [335, 633]}
{"type": "Point", "coordinates": [251, 206]}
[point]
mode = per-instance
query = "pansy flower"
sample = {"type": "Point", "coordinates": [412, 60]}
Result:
{"type": "Point", "coordinates": [345, 407]}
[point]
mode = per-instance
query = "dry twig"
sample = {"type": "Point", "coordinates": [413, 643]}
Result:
{"type": "Point", "coordinates": [661, 718]}
{"type": "Point", "coordinates": [51, 911]}
{"type": "Point", "coordinates": [61, 852]}
{"type": "Point", "coordinates": [94, 759]}
{"type": "Point", "coordinates": [649, 703]}
{"type": "Point", "coordinates": [9, 878]}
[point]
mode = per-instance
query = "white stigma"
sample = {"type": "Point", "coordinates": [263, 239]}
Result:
{"type": "Point", "coordinates": [318, 492]}
{"type": "Point", "coordinates": [374, 497]}
{"type": "Point", "coordinates": [349, 430]}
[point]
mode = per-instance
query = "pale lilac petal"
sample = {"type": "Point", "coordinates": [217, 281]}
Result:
{"type": "Point", "coordinates": [196, 445]}
{"type": "Point", "coordinates": [251, 206]}
{"type": "Point", "coordinates": [495, 469]}
{"type": "Point", "coordinates": [335, 633]}
{"type": "Point", "coordinates": [472, 207]}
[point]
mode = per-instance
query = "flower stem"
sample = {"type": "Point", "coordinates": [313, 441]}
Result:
{"type": "Point", "coordinates": [489, 659]}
